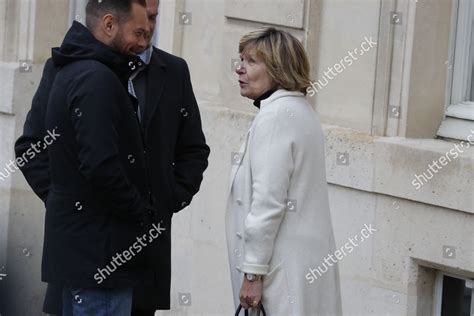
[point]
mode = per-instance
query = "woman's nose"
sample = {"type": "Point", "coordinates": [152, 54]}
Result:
{"type": "Point", "coordinates": [240, 68]}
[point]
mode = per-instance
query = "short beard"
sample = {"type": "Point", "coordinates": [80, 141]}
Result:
{"type": "Point", "coordinates": [117, 44]}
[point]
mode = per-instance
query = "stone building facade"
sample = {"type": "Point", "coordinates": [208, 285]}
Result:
{"type": "Point", "coordinates": [392, 87]}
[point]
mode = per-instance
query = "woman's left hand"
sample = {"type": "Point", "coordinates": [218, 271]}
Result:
{"type": "Point", "coordinates": [250, 293]}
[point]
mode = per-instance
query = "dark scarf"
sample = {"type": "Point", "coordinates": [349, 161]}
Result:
{"type": "Point", "coordinates": [263, 97]}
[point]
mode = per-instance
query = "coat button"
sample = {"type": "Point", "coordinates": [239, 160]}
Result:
{"type": "Point", "coordinates": [237, 252]}
{"type": "Point", "coordinates": [238, 234]}
{"type": "Point", "coordinates": [239, 201]}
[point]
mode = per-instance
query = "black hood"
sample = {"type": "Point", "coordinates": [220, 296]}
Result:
{"type": "Point", "coordinates": [80, 44]}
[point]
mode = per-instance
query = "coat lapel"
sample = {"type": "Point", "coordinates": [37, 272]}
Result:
{"type": "Point", "coordinates": [156, 82]}
{"type": "Point", "coordinates": [235, 166]}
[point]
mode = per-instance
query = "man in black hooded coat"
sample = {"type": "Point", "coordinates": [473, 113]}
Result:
{"type": "Point", "coordinates": [99, 196]}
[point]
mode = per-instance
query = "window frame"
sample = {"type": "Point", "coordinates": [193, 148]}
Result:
{"type": "Point", "coordinates": [438, 290]}
{"type": "Point", "coordinates": [458, 117]}
{"type": "Point", "coordinates": [463, 47]}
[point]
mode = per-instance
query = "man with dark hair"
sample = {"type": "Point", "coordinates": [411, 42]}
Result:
{"type": "Point", "coordinates": [102, 14]}
{"type": "Point", "coordinates": [93, 177]}
{"type": "Point", "coordinates": [95, 10]}
{"type": "Point", "coordinates": [176, 148]}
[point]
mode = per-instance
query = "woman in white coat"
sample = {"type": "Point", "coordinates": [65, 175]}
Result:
{"type": "Point", "coordinates": [278, 221]}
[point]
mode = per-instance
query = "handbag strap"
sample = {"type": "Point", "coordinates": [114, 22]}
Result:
{"type": "Point", "coordinates": [260, 309]}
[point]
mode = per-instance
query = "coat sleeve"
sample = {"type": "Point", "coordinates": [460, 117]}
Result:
{"type": "Point", "coordinates": [36, 168]}
{"type": "Point", "coordinates": [191, 152]}
{"type": "Point", "coordinates": [271, 165]}
{"type": "Point", "coordinates": [94, 100]}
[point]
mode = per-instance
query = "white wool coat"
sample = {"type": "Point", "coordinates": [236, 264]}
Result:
{"type": "Point", "coordinates": [278, 222]}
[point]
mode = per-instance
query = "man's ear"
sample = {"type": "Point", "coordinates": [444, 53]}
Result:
{"type": "Point", "coordinates": [109, 24]}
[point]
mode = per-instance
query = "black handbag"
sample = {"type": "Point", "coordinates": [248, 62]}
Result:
{"type": "Point", "coordinates": [260, 309]}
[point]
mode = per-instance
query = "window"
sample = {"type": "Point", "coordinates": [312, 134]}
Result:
{"type": "Point", "coordinates": [460, 87]}
{"type": "Point", "coordinates": [462, 90]}
{"type": "Point", "coordinates": [454, 296]}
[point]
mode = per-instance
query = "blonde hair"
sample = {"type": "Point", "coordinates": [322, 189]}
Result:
{"type": "Point", "coordinates": [283, 55]}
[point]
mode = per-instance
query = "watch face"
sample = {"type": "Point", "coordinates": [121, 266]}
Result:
{"type": "Point", "coordinates": [250, 277]}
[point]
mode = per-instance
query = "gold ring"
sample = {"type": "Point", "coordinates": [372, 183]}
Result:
{"type": "Point", "coordinates": [254, 304]}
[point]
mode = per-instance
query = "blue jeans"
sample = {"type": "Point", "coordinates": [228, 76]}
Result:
{"type": "Point", "coordinates": [97, 302]}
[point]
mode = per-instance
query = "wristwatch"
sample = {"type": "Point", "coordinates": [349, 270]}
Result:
{"type": "Point", "coordinates": [253, 277]}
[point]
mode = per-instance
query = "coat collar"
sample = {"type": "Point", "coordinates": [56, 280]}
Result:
{"type": "Point", "coordinates": [156, 58]}
{"type": "Point", "coordinates": [156, 75]}
{"type": "Point", "coordinates": [243, 149]}
{"type": "Point", "coordinates": [280, 93]}
{"type": "Point", "coordinates": [263, 97]}
{"type": "Point", "coordinates": [80, 44]}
